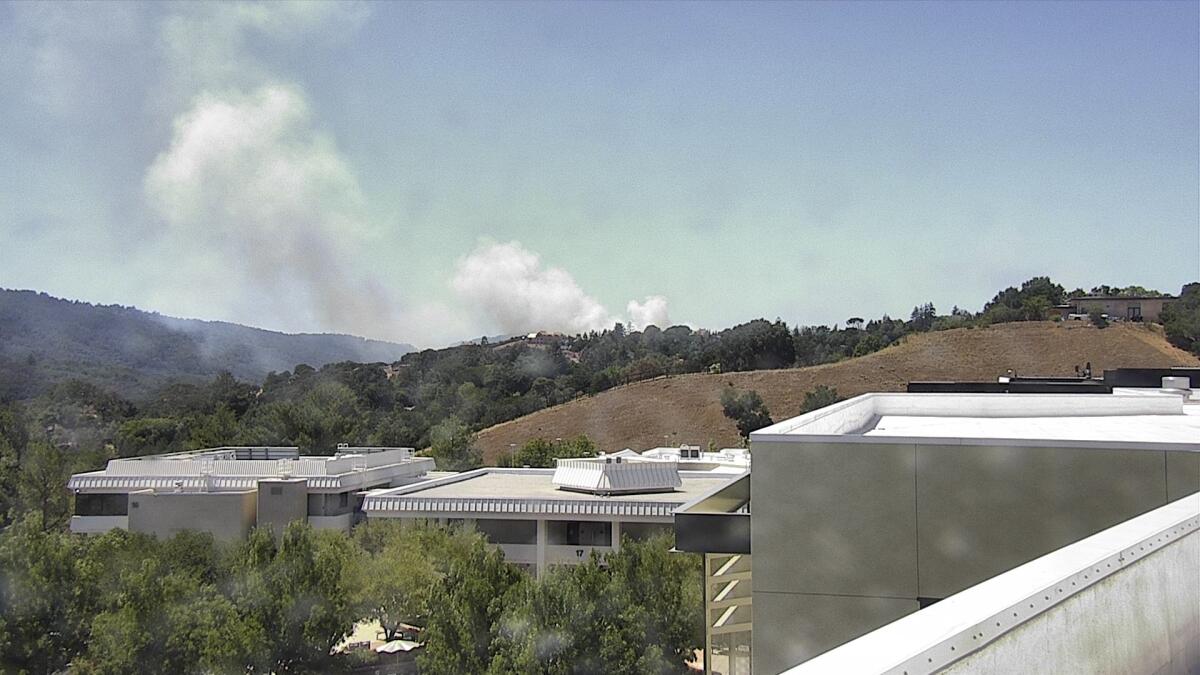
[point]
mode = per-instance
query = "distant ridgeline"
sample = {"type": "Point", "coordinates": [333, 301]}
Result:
{"type": "Point", "coordinates": [45, 341]}
{"type": "Point", "coordinates": [153, 381]}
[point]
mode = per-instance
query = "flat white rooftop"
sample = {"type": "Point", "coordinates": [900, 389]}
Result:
{"type": "Point", "coordinates": [239, 468]}
{"type": "Point", "coordinates": [526, 484]}
{"type": "Point", "coordinates": [530, 491]}
{"type": "Point", "coordinates": [1164, 421]}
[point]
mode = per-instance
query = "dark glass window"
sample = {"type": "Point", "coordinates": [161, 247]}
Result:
{"type": "Point", "coordinates": [103, 504]}
{"type": "Point", "coordinates": [329, 505]}
{"type": "Point", "coordinates": [506, 531]}
{"type": "Point", "coordinates": [578, 533]}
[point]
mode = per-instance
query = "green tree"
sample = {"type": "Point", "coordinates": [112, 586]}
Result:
{"type": "Point", "coordinates": [659, 592]}
{"type": "Point", "coordinates": [1181, 319]}
{"type": "Point", "coordinates": [10, 472]}
{"type": "Point", "coordinates": [148, 436]}
{"type": "Point", "coordinates": [317, 421]}
{"type": "Point", "coordinates": [45, 470]}
{"type": "Point", "coordinates": [154, 606]}
{"type": "Point", "coordinates": [398, 576]}
{"type": "Point", "coordinates": [466, 607]}
{"type": "Point", "coordinates": [868, 344]}
{"type": "Point", "coordinates": [1030, 302]}
{"type": "Point", "coordinates": [213, 430]}
{"type": "Point", "coordinates": [819, 398]}
{"type": "Point", "coordinates": [452, 446]}
{"type": "Point", "coordinates": [746, 409]}
{"type": "Point", "coordinates": [555, 624]}
{"type": "Point", "coordinates": [1035, 308]}
{"type": "Point", "coordinates": [164, 619]}
{"type": "Point", "coordinates": [539, 452]}
{"type": "Point", "coordinates": [636, 611]}
{"type": "Point", "coordinates": [44, 608]}
{"type": "Point", "coordinates": [300, 595]}
{"type": "Point", "coordinates": [923, 317]}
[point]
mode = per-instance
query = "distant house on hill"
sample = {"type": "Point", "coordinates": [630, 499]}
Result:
{"type": "Point", "coordinates": [543, 338]}
{"type": "Point", "coordinates": [1130, 308]}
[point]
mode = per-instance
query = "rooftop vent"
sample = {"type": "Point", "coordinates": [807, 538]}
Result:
{"type": "Point", "coordinates": [616, 476]}
{"type": "Point", "coordinates": [1178, 383]}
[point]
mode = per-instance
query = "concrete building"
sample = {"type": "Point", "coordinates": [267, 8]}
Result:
{"type": "Point", "coordinates": [873, 508]}
{"type": "Point", "coordinates": [544, 517]}
{"type": "Point", "coordinates": [228, 491]}
{"type": "Point", "coordinates": [1130, 308]}
{"type": "Point", "coordinates": [1125, 600]}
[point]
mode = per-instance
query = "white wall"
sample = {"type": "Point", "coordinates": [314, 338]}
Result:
{"type": "Point", "coordinates": [1144, 619]}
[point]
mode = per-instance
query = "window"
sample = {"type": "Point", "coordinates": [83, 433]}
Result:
{"type": "Point", "coordinates": [329, 504]}
{"type": "Point", "coordinates": [641, 531]}
{"type": "Point", "coordinates": [578, 533]}
{"type": "Point", "coordinates": [506, 531]}
{"type": "Point", "coordinates": [101, 504]}
{"type": "Point", "coordinates": [276, 490]}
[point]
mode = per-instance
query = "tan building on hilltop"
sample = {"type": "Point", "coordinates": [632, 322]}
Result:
{"type": "Point", "coordinates": [1136, 308]}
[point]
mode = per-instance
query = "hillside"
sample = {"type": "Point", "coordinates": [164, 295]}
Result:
{"type": "Point", "coordinates": [46, 340]}
{"type": "Point", "coordinates": [686, 408]}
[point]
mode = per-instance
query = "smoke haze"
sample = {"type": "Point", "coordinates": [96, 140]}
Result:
{"type": "Point", "coordinates": [250, 182]}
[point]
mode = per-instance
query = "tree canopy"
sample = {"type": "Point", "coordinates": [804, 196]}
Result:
{"type": "Point", "coordinates": [539, 452]}
{"type": "Point", "coordinates": [1181, 319]}
{"type": "Point", "coordinates": [746, 409]}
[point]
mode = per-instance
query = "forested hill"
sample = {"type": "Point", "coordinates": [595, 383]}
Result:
{"type": "Point", "coordinates": [46, 340]}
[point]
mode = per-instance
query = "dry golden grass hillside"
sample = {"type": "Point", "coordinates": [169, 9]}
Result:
{"type": "Point", "coordinates": [687, 409]}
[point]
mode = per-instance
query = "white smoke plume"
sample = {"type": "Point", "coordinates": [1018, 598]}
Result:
{"type": "Point", "coordinates": [509, 284]}
{"type": "Point", "coordinates": [650, 312]}
{"type": "Point", "coordinates": [264, 200]}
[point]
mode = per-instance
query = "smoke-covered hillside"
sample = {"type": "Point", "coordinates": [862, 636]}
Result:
{"type": "Point", "coordinates": [46, 340]}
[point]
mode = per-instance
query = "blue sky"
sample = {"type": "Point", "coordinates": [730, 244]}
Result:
{"type": "Point", "coordinates": [430, 172]}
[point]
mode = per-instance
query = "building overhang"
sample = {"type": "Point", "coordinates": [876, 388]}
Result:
{"type": "Point", "coordinates": [718, 521]}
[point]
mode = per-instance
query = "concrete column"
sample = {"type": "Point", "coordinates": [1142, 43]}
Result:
{"type": "Point", "coordinates": [616, 535]}
{"type": "Point", "coordinates": [541, 547]}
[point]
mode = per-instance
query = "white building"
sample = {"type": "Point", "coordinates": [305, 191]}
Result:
{"type": "Point", "coordinates": [228, 491]}
{"type": "Point", "coordinates": [691, 458]}
{"type": "Point", "coordinates": [543, 517]}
